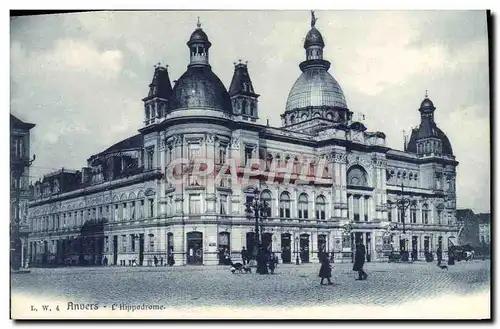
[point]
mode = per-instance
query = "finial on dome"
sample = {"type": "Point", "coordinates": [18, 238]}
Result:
{"type": "Point", "coordinates": [198, 24]}
{"type": "Point", "coordinates": [313, 19]}
{"type": "Point", "coordinates": [426, 95]}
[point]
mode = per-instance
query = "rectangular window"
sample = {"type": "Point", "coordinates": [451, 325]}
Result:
{"type": "Point", "coordinates": [356, 208]}
{"type": "Point", "coordinates": [150, 156]}
{"type": "Point", "coordinates": [413, 215]}
{"type": "Point", "coordinates": [222, 154]}
{"type": "Point", "coordinates": [106, 243]}
{"type": "Point", "coordinates": [132, 242]}
{"type": "Point", "coordinates": [151, 242]}
{"type": "Point", "coordinates": [132, 210]}
{"type": "Point", "coordinates": [439, 214]}
{"type": "Point", "coordinates": [194, 204]}
{"type": "Point", "coordinates": [141, 209]}
{"type": "Point", "coordinates": [193, 151]}
{"type": "Point", "coordinates": [151, 208]}
{"type": "Point", "coordinates": [124, 211]}
{"type": "Point", "coordinates": [124, 243]}
{"type": "Point", "coordinates": [223, 204]}
{"type": "Point", "coordinates": [248, 154]}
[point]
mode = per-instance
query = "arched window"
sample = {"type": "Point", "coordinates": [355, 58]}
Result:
{"type": "Point", "coordinates": [244, 106]}
{"type": "Point", "coordinates": [303, 206]}
{"type": "Point", "coordinates": [389, 210]}
{"type": "Point", "coordinates": [266, 196]}
{"type": "Point", "coordinates": [425, 214]}
{"type": "Point", "coordinates": [285, 205]}
{"type": "Point", "coordinates": [413, 214]}
{"type": "Point", "coordinates": [320, 207]}
{"type": "Point", "coordinates": [292, 119]}
{"type": "Point", "coordinates": [252, 109]}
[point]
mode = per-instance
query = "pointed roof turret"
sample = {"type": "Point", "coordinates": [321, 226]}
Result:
{"type": "Point", "coordinates": [160, 85]}
{"type": "Point", "coordinates": [241, 83]}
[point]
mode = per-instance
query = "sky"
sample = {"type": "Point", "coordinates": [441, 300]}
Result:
{"type": "Point", "coordinates": [81, 77]}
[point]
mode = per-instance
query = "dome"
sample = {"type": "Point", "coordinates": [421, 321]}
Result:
{"type": "Point", "coordinates": [315, 87]}
{"type": "Point", "coordinates": [426, 103]}
{"type": "Point", "coordinates": [429, 130]}
{"type": "Point", "coordinates": [198, 35]}
{"type": "Point", "coordinates": [200, 87]}
{"type": "Point", "coordinates": [314, 38]}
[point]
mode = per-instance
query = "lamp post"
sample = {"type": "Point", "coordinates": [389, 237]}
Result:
{"type": "Point", "coordinates": [17, 166]}
{"type": "Point", "coordinates": [403, 203]}
{"type": "Point", "coordinates": [259, 209]}
{"type": "Point", "coordinates": [346, 232]}
{"type": "Point", "coordinates": [297, 261]}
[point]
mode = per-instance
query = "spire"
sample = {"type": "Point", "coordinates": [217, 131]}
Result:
{"type": "Point", "coordinates": [198, 24]}
{"type": "Point", "coordinates": [313, 19]}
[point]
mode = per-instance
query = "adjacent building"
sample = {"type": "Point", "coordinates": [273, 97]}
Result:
{"type": "Point", "coordinates": [19, 189]}
{"type": "Point", "coordinates": [484, 221]}
{"type": "Point", "coordinates": [343, 182]}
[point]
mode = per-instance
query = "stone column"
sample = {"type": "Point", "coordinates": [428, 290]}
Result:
{"type": "Point", "coordinates": [209, 153]}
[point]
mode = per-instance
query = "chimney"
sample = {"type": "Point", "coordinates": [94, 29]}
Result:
{"type": "Point", "coordinates": [85, 175]}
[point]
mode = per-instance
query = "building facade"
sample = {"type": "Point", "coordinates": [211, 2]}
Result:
{"type": "Point", "coordinates": [468, 228]}
{"type": "Point", "coordinates": [484, 220]}
{"type": "Point", "coordinates": [19, 189]}
{"type": "Point", "coordinates": [180, 186]}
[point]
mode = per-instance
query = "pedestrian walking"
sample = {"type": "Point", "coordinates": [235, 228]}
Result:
{"type": "Point", "coordinates": [439, 254]}
{"type": "Point", "coordinates": [155, 259]}
{"type": "Point", "coordinates": [325, 271]}
{"type": "Point", "coordinates": [244, 256]}
{"type": "Point", "coordinates": [359, 260]}
{"type": "Point", "coordinates": [272, 263]}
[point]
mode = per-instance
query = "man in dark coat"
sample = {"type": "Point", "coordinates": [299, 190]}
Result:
{"type": "Point", "coordinates": [262, 261]}
{"type": "Point", "coordinates": [439, 254]}
{"type": "Point", "coordinates": [244, 256]}
{"type": "Point", "coordinates": [359, 260]}
{"type": "Point", "coordinates": [325, 271]}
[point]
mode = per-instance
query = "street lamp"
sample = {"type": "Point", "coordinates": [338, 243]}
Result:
{"type": "Point", "coordinates": [17, 166]}
{"type": "Point", "coordinates": [259, 209]}
{"type": "Point", "coordinates": [297, 261]}
{"type": "Point", "coordinates": [346, 233]}
{"type": "Point", "coordinates": [403, 203]}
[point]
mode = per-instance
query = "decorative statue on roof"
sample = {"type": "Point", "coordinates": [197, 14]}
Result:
{"type": "Point", "coordinates": [313, 19]}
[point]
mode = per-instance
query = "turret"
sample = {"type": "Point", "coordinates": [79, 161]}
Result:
{"type": "Point", "coordinates": [243, 96]}
{"type": "Point", "coordinates": [159, 95]}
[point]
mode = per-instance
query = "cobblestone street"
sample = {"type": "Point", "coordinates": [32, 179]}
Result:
{"type": "Point", "coordinates": [291, 285]}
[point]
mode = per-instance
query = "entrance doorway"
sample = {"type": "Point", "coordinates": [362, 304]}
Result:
{"type": "Point", "coordinates": [141, 249]}
{"type": "Point", "coordinates": [115, 249]}
{"type": "Point", "coordinates": [170, 250]}
{"type": "Point", "coordinates": [304, 248]}
{"type": "Point", "coordinates": [267, 241]}
{"type": "Point", "coordinates": [322, 250]}
{"type": "Point", "coordinates": [368, 247]}
{"type": "Point", "coordinates": [427, 244]}
{"type": "Point", "coordinates": [224, 248]}
{"type": "Point", "coordinates": [414, 248]}
{"type": "Point", "coordinates": [195, 248]}
{"type": "Point", "coordinates": [286, 248]}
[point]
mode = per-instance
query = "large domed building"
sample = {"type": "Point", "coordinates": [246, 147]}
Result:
{"type": "Point", "coordinates": [180, 191]}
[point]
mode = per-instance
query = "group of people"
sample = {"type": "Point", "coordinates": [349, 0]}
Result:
{"type": "Point", "coordinates": [267, 261]}
{"type": "Point", "coordinates": [325, 271]}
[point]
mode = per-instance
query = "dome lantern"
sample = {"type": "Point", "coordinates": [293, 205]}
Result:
{"type": "Point", "coordinates": [198, 46]}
